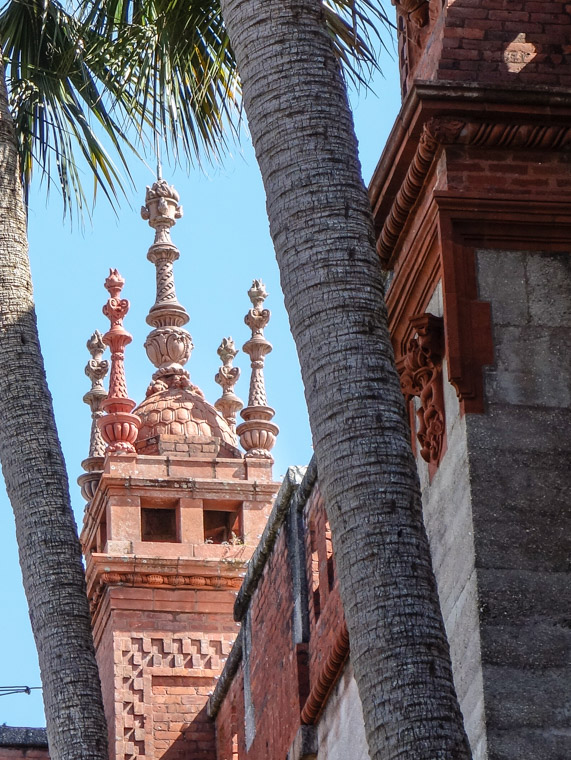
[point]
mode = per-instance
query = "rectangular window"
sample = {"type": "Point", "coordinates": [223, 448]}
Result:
{"type": "Point", "coordinates": [158, 524]}
{"type": "Point", "coordinates": [223, 522]}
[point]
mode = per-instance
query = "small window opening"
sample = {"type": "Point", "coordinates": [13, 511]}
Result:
{"type": "Point", "coordinates": [158, 525]}
{"type": "Point", "coordinates": [222, 526]}
{"type": "Point", "coordinates": [102, 535]}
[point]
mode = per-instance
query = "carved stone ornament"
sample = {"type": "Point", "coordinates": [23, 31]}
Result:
{"type": "Point", "coordinates": [118, 427]}
{"type": "Point", "coordinates": [421, 376]}
{"type": "Point", "coordinates": [227, 377]}
{"type": "Point", "coordinates": [257, 432]}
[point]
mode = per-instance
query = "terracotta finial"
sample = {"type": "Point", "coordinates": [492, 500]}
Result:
{"type": "Point", "coordinates": [95, 369]}
{"type": "Point", "coordinates": [257, 433]}
{"type": "Point", "coordinates": [168, 345]}
{"type": "Point", "coordinates": [227, 377]}
{"type": "Point", "coordinates": [118, 427]}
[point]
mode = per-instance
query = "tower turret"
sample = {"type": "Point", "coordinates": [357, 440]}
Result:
{"type": "Point", "coordinates": [168, 532]}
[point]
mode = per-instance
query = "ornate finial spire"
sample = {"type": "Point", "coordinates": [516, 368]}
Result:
{"type": "Point", "coordinates": [95, 369]}
{"type": "Point", "coordinates": [168, 345]}
{"type": "Point", "coordinates": [118, 427]}
{"type": "Point", "coordinates": [257, 433]}
{"type": "Point", "coordinates": [227, 377]}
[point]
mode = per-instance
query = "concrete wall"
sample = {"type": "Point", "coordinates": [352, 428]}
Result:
{"type": "Point", "coordinates": [519, 456]}
{"type": "Point", "coordinates": [341, 729]}
{"type": "Point", "coordinates": [448, 517]}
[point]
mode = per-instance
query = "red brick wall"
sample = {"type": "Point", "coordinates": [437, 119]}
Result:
{"type": "Point", "coordinates": [497, 170]}
{"type": "Point", "coordinates": [159, 667]}
{"type": "Point", "coordinates": [324, 626]}
{"type": "Point", "coordinates": [23, 753]}
{"type": "Point", "coordinates": [526, 42]}
{"type": "Point", "coordinates": [282, 670]}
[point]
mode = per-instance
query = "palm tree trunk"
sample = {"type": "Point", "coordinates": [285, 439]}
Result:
{"type": "Point", "coordinates": [320, 223]}
{"type": "Point", "coordinates": [36, 481]}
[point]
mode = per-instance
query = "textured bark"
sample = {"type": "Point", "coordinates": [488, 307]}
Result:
{"type": "Point", "coordinates": [36, 481]}
{"type": "Point", "coordinates": [320, 223]}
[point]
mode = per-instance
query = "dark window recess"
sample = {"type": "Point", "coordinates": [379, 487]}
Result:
{"type": "Point", "coordinates": [158, 525]}
{"type": "Point", "coordinates": [221, 526]}
{"type": "Point", "coordinates": [102, 534]}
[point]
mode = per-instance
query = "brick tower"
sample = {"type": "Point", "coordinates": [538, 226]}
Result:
{"type": "Point", "coordinates": [174, 511]}
{"type": "Point", "coordinates": [472, 207]}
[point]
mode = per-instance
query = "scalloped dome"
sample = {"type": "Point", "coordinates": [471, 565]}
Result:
{"type": "Point", "coordinates": [181, 412]}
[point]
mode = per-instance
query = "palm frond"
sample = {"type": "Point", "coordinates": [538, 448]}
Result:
{"type": "Point", "coordinates": [55, 95]}
{"type": "Point", "coordinates": [182, 74]}
{"type": "Point", "coordinates": [116, 71]}
{"type": "Point", "coordinates": [358, 29]}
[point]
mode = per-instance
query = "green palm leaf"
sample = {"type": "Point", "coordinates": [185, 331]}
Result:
{"type": "Point", "coordinates": [57, 94]}
{"type": "Point", "coordinates": [118, 71]}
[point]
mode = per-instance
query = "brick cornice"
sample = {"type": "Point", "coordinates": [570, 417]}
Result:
{"type": "Point", "coordinates": [435, 116]}
{"type": "Point", "coordinates": [104, 571]}
{"type": "Point", "coordinates": [327, 678]}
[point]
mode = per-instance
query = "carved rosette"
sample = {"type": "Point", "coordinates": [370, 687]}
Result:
{"type": "Point", "coordinates": [96, 369]}
{"type": "Point", "coordinates": [421, 376]}
{"type": "Point", "coordinates": [227, 376]}
{"type": "Point", "coordinates": [169, 345]}
{"type": "Point", "coordinates": [118, 427]}
{"type": "Point", "coordinates": [257, 432]}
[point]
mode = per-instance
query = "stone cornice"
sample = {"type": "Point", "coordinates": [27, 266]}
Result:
{"type": "Point", "coordinates": [433, 117]}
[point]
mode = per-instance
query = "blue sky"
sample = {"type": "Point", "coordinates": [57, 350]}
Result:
{"type": "Point", "coordinates": [224, 243]}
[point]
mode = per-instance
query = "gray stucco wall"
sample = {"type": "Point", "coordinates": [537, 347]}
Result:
{"type": "Point", "coordinates": [520, 471]}
{"type": "Point", "coordinates": [341, 728]}
{"type": "Point", "coordinates": [448, 518]}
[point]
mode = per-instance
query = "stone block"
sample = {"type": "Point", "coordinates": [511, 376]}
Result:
{"type": "Point", "coordinates": [549, 283]}
{"type": "Point", "coordinates": [525, 743]}
{"type": "Point", "coordinates": [502, 281]}
{"type": "Point", "coordinates": [531, 698]}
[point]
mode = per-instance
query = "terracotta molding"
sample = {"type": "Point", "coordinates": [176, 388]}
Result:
{"type": "Point", "coordinates": [159, 580]}
{"type": "Point", "coordinates": [327, 678]}
{"type": "Point", "coordinates": [415, 10]}
{"type": "Point", "coordinates": [421, 375]}
{"type": "Point", "coordinates": [414, 281]}
{"type": "Point", "coordinates": [437, 132]}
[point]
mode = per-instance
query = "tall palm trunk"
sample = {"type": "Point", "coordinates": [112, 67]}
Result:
{"type": "Point", "coordinates": [36, 481]}
{"type": "Point", "coordinates": [320, 223]}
